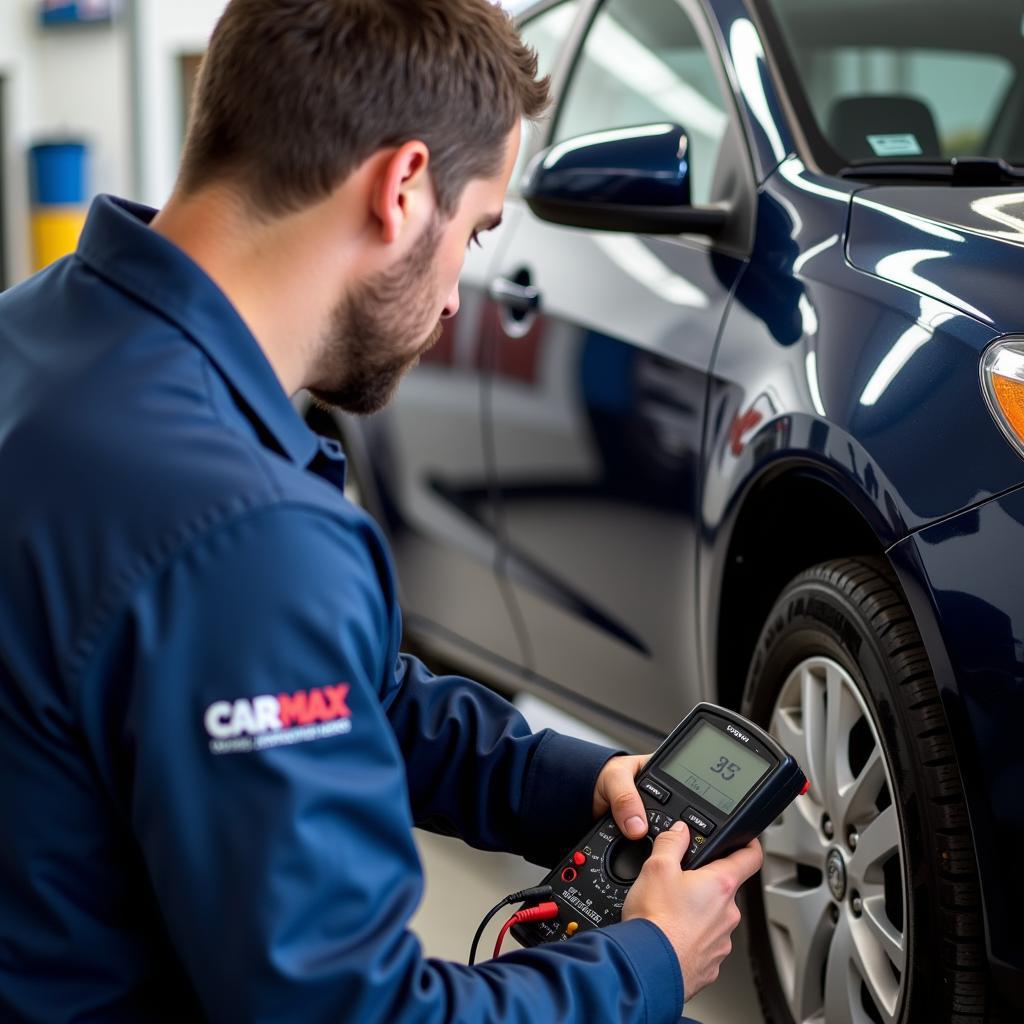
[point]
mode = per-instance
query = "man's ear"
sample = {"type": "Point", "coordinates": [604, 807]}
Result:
{"type": "Point", "coordinates": [404, 192]}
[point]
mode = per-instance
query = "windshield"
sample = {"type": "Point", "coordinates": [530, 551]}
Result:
{"type": "Point", "coordinates": [903, 80]}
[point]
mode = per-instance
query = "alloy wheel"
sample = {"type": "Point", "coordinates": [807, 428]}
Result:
{"type": "Point", "coordinates": [833, 880]}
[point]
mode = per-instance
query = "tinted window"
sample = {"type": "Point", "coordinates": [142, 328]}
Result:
{"type": "Point", "coordinates": [643, 64]}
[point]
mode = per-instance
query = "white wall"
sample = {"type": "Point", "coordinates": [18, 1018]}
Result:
{"type": "Point", "coordinates": [83, 89]}
{"type": "Point", "coordinates": [165, 32]}
{"type": "Point", "coordinates": [82, 81]}
{"type": "Point", "coordinates": [70, 81]}
{"type": "Point", "coordinates": [16, 70]}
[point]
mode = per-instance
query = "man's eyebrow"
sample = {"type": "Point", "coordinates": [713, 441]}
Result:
{"type": "Point", "coordinates": [489, 225]}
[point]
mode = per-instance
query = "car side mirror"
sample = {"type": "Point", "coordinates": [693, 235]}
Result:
{"type": "Point", "coordinates": [633, 179]}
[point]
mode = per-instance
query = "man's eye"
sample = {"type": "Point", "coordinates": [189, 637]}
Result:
{"type": "Point", "coordinates": [474, 239]}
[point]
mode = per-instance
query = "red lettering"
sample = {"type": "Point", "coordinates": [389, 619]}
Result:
{"type": "Point", "coordinates": [293, 708]}
{"type": "Point", "coordinates": [324, 704]}
{"type": "Point", "coordinates": [317, 707]}
{"type": "Point", "coordinates": [336, 695]}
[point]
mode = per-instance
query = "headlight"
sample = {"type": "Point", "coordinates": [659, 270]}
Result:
{"type": "Point", "coordinates": [1002, 379]}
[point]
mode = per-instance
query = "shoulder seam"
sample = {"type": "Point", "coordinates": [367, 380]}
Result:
{"type": "Point", "coordinates": [254, 457]}
{"type": "Point", "coordinates": [148, 566]}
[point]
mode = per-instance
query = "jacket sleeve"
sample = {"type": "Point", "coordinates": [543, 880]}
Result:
{"type": "Point", "coordinates": [263, 783]}
{"type": "Point", "coordinates": [477, 771]}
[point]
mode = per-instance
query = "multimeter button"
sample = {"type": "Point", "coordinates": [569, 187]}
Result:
{"type": "Point", "coordinates": [579, 859]}
{"type": "Point", "coordinates": [572, 928]}
{"type": "Point", "coordinates": [698, 842]}
{"type": "Point", "coordinates": [697, 822]}
{"type": "Point", "coordinates": [806, 786]}
{"type": "Point", "coordinates": [659, 794]}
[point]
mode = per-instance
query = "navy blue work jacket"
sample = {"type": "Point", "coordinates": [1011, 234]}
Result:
{"type": "Point", "coordinates": [212, 754]}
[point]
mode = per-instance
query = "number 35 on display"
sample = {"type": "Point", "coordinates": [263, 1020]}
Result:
{"type": "Point", "coordinates": [726, 768]}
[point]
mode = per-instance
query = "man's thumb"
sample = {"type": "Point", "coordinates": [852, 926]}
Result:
{"type": "Point", "coordinates": [672, 843]}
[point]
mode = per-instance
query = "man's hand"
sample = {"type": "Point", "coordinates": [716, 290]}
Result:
{"type": "Point", "coordinates": [616, 789]}
{"type": "Point", "coordinates": [695, 909]}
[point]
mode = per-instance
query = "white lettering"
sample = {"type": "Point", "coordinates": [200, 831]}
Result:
{"type": "Point", "coordinates": [243, 719]}
{"type": "Point", "coordinates": [215, 720]}
{"type": "Point", "coordinates": [267, 716]}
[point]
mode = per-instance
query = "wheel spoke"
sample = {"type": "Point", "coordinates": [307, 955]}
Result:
{"type": "Point", "coordinates": [842, 995]}
{"type": "Point", "coordinates": [884, 932]}
{"type": "Point", "coordinates": [857, 800]}
{"type": "Point", "coordinates": [802, 914]}
{"type": "Point", "coordinates": [841, 716]}
{"type": "Point", "coordinates": [796, 837]}
{"type": "Point", "coordinates": [812, 691]}
{"type": "Point", "coordinates": [872, 963]}
{"type": "Point", "coordinates": [789, 734]}
{"type": "Point", "coordinates": [877, 843]}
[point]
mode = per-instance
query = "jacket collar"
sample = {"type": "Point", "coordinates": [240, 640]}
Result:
{"type": "Point", "coordinates": [118, 244]}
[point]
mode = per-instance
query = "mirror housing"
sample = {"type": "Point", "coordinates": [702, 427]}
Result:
{"type": "Point", "coordinates": [631, 179]}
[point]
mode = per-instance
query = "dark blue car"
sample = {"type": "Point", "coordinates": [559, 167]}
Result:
{"type": "Point", "coordinates": [734, 410]}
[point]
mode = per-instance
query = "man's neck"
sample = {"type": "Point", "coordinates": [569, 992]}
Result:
{"type": "Point", "coordinates": [250, 261]}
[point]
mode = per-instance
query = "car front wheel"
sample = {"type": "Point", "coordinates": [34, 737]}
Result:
{"type": "Point", "coordinates": [867, 908]}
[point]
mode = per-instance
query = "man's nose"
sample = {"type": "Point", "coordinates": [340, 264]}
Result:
{"type": "Point", "coordinates": [451, 307]}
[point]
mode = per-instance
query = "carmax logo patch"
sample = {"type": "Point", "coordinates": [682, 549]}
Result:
{"type": "Point", "coordinates": [259, 723]}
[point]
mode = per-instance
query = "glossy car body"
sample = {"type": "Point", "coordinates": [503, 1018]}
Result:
{"type": "Point", "coordinates": [601, 499]}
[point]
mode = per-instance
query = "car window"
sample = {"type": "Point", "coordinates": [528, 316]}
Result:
{"type": "Point", "coordinates": [963, 92]}
{"type": "Point", "coordinates": [899, 82]}
{"type": "Point", "coordinates": [546, 33]}
{"type": "Point", "coordinates": [644, 64]}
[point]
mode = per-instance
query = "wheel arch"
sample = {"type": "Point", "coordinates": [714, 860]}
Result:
{"type": "Point", "coordinates": [790, 518]}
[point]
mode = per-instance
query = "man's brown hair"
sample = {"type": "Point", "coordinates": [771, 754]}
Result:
{"type": "Point", "coordinates": [293, 95]}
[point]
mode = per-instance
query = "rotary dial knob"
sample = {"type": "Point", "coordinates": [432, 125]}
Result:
{"type": "Point", "coordinates": [626, 857]}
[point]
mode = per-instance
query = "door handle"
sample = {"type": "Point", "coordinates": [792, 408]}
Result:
{"type": "Point", "coordinates": [523, 299]}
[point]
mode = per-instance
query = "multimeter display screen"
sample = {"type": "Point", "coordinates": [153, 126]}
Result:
{"type": "Point", "coordinates": [716, 767]}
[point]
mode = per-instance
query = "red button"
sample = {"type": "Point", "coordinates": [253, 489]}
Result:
{"type": "Point", "coordinates": [579, 859]}
{"type": "Point", "coordinates": [807, 786]}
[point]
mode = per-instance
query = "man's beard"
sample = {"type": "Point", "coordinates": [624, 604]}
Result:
{"type": "Point", "coordinates": [368, 346]}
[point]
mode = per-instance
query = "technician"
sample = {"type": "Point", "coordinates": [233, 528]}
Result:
{"type": "Point", "coordinates": [212, 754]}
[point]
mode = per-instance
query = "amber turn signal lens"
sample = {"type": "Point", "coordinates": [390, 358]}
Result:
{"type": "Point", "coordinates": [1002, 374]}
{"type": "Point", "coordinates": [1010, 396]}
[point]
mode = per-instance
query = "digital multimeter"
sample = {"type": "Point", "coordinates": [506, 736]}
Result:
{"type": "Point", "coordinates": [725, 777]}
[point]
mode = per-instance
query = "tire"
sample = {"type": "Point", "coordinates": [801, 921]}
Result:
{"type": "Point", "coordinates": [867, 909]}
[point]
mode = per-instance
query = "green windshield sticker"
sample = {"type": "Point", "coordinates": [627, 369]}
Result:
{"type": "Point", "coordinates": [895, 145]}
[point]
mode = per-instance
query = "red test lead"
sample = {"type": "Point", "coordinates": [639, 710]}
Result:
{"type": "Point", "coordinates": [541, 912]}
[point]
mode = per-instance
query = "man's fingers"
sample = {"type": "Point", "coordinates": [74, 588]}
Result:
{"type": "Point", "coordinates": [621, 792]}
{"type": "Point", "coordinates": [743, 864]}
{"type": "Point", "coordinates": [673, 843]}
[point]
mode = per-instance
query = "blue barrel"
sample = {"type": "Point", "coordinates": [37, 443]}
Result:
{"type": "Point", "coordinates": [58, 172]}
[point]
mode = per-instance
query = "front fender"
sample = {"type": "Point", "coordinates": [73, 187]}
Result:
{"type": "Point", "coordinates": [962, 579]}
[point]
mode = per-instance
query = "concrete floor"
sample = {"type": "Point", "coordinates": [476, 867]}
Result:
{"type": "Point", "coordinates": [446, 926]}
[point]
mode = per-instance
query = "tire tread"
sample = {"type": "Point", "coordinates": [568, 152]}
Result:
{"type": "Point", "coordinates": [869, 584]}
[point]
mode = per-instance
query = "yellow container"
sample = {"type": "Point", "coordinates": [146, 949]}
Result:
{"type": "Point", "coordinates": [55, 232]}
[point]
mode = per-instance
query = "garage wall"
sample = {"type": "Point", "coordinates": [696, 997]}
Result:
{"type": "Point", "coordinates": [88, 82]}
{"type": "Point", "coordinates": [166, 32]}
{"type": "Point", "coordinates": [59, 82]}
{"type": "Point", "coordinates": [15, 69]}
{"type": "Point", "coordinates": [83, 88]}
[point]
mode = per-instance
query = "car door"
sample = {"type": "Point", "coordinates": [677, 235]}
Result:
{"type": "Point", "coordinates": [427, 459]}
{"type": "Point", "coordinates": [597, 400]}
